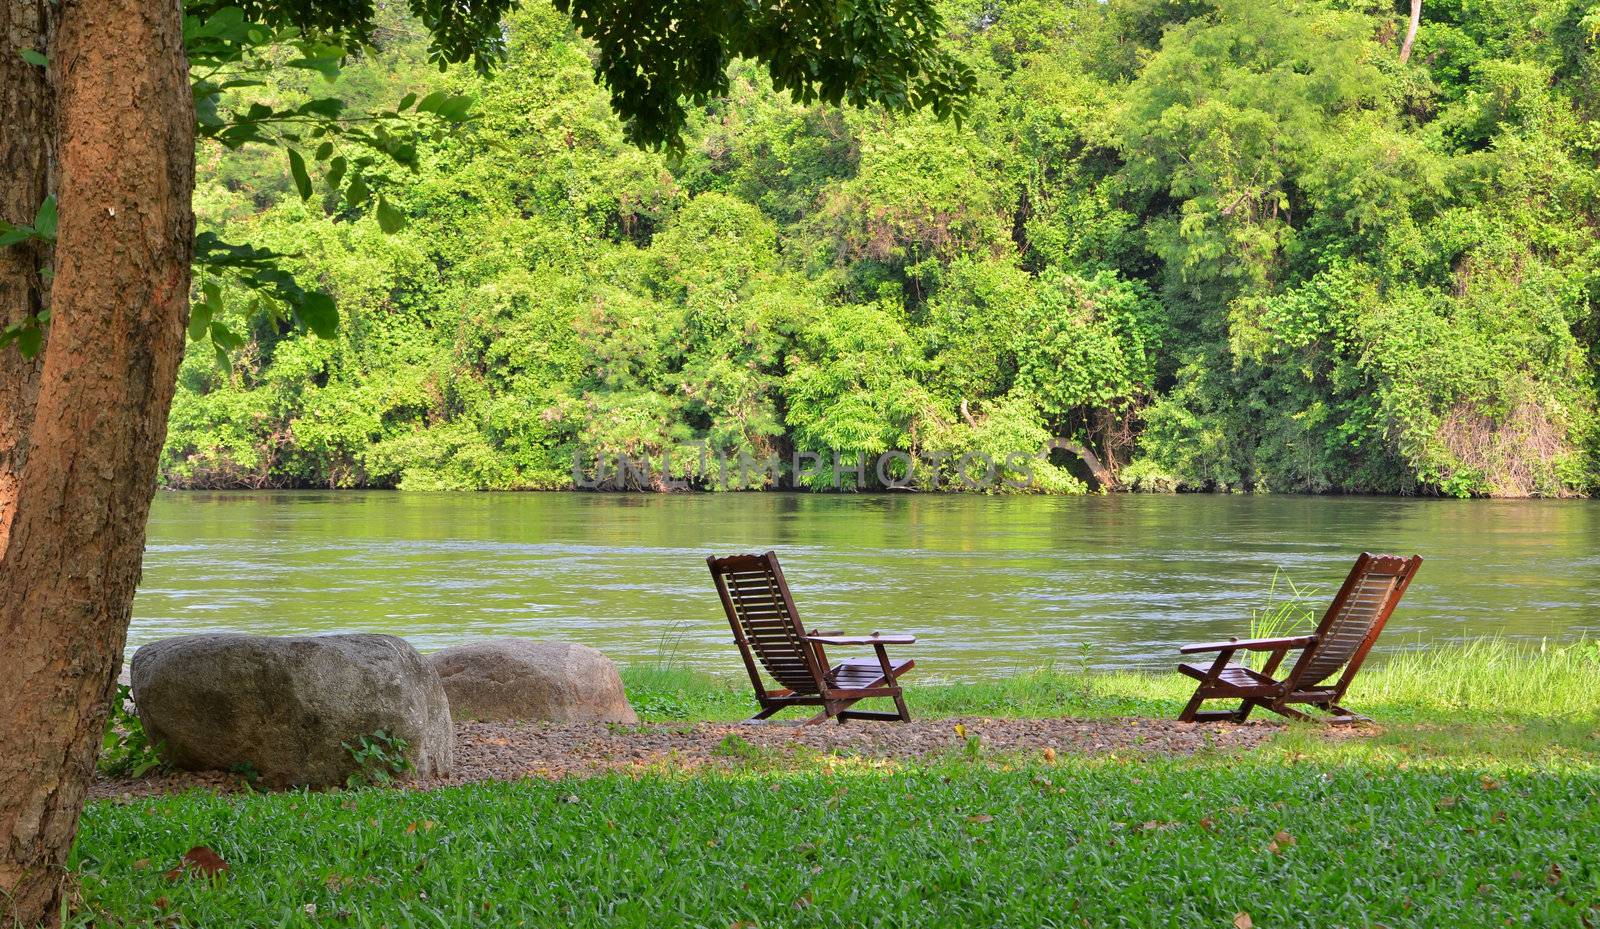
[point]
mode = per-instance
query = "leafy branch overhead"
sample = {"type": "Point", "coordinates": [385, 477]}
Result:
{"type": "Point", "coordinates": [656, 57]}
{"type": "Point", "coordinates": [230, 58]}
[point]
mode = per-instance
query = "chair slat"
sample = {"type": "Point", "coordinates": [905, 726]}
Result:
{"type": "Point", "coordinates": [767, 628]}
{"type": "Point", "coordinates": [1326, 665]}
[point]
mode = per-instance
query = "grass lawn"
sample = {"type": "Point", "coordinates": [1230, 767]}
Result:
{"type": "Point", "coordinates": [1471, 809]}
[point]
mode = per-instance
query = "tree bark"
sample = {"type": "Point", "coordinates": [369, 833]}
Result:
{"type": "Point", "coordinates": [1411, 31]}
{"type": "Point", "coordinates": [27, 162]}
{"type": "Point", "coordinates": [78, 502]}
{"type": "Point", "coordinates": [1101, 473]}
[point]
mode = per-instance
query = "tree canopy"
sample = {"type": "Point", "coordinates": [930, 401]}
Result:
{"type": "Point", "coordinates": [1226, 245]}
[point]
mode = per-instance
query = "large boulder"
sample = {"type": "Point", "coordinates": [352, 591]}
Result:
{"type": "Point", "coordinates": [500, 680]}
{"type": "Point", "coordinates": [283, 707]}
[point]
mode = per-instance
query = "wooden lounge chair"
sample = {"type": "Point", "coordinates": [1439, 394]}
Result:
{"type": "Point", "coordinates": [767, 629]}
{"type": "Point", "coordinates": [1342, 640]}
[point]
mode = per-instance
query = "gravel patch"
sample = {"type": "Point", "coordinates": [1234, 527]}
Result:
{"type": "Point", "coordinates": [502, 751]}
{"type": "Point", "coordinates": [512, 751]}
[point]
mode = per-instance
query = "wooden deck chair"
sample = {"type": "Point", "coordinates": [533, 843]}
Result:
{"type": "Point", "coordinates": [767, 629]}
{"type": "Point", "coordinates": [1342, 640]}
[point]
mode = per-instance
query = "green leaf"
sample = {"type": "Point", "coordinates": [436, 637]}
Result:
{"type": "Point", "coordinates": [11, 235]}
{"type": "Point", "coordinates": [44, 221]}
{"type": "Point", "coordinates": [199, 322]}
{"type": "Point", "coordinates": [302, 180]}
{"type": "Point", "coordinates": [34, 58]}
{"type": "Point", "coordinates": [455, 109]}
{"type": "Point", "coordinates": [335, 174]}
{"type": "Point", "coordinates": [319, 314]}
{"type": "Point", "coordinates": [327, 66]}
{"type": "Point", "coordinates": [431, 102]}
{"type": "Point", "coordinates": [357, 193]}
{"type": "Point", "coordinates": [406, 101]}
{"type": "Point", "coordinates": [390, 219]}
{"type": "Point", "coordinates": [326, 106]}
{"type": "Point", "coordinates": [29, 339]}
{"type": "Point", "coordinates": [223, 337]}
{"type": "Point", "coordinates": [324, 150]}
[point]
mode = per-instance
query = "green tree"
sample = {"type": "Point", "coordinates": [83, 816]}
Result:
{"type": "Point", "coordinates": [97, 278]}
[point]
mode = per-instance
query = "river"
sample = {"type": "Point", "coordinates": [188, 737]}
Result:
{"type": "Point", "coordinates": [989, 584]}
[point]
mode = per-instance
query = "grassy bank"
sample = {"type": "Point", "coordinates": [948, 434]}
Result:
{"type": "Point", "coordinates": [1074, 843]}
{"type": "Point", "coordinates": [1477, 806]}
{"type": "Point", "coordinates": [1488, 680]}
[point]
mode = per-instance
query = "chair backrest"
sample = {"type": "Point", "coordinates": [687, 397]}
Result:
{"type": "Point", "coordinates": [1353, 621]}
{"type": "Point", "coordinates": [765, 622]}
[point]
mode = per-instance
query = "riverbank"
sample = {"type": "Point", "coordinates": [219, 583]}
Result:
{"type": "Point", "coordinates": [1486, 680]}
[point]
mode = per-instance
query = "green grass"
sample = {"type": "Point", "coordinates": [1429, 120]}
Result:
{"type": "Point", "coordinates": [955, 844]}
{"type": "Point", "coordinates": [1478, 805]}
{"type": "Point", "coordinates": [1489, 680]}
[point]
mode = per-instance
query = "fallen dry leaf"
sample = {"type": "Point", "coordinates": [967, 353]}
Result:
{"type": "Point", "coordinates": [1208, 824]}
{"type": "Point", "coordinates": [141, 864]}
{"type": "Point", "coordinates": [1490, 783]}
{"type": "Point", "coordinates": [1445, 803]}
{"type": "Point", "coordinates": [1241, 920]}
{"type": "Point", "coordinates": [1553, 875]}
{"type": "Point", "coordinates": [1049, 753]}
{"type": "Point", "coordinates": [980, 818]}
{"type": "Point", "coordinates": [198, 860]}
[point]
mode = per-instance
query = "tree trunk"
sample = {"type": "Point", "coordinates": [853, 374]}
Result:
{"type": "Point", "coordinates": [27, 162]}
{"type": "Point", "coordinates": [1411, 31]}
{"type": "Point", "coordinates": [77, 504]}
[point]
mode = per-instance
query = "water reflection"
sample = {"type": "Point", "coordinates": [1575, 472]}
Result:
{"type": "Point", "coordinates": [990, 583]}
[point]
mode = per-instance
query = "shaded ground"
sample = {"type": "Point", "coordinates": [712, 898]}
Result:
{"type": "Point", "coordinates": [490, 751]}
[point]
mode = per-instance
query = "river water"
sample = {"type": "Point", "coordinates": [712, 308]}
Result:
{"type": "Point", "coordinates": [990, 584]}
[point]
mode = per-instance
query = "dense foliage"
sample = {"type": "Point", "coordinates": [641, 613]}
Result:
{"type": "Point", "coordinates": [1220, 245]}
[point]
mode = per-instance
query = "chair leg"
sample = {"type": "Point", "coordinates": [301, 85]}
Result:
{"type": "Point", "coordinates": [1283, 709]}
{"type": "Point", "coordinates": [1244, 711]}
{"type": "Point", "coordinates": [830, 709]}
{"type": "Point", "coordinates": [766, 713]}
{"type": "Point", "coordinates": [1193, 706]}
{"type": "Point", "coordinates": [1342, 716]}
{"type": "Point", "coordinates": [900, 704]}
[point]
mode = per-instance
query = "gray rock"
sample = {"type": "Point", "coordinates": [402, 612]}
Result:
{"type": "Point", "coordinates": [503, 680]}
{"type": "Point", "coordinates": [283, 706]}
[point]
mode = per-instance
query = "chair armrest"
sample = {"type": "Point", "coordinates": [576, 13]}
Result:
{"type": "Point", "coordinates": [1254, 645]}
{"type": "Point", "coordinates": [862, 639]}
